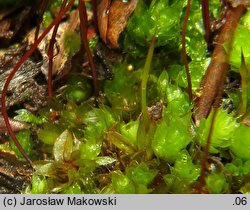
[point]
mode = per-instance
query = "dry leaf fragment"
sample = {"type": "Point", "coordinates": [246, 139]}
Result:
{"type": "Point", "coordinates": [102, 18]}
{"type": "Point", "coordinates": [112, 19]}
{"type": "Point", "coordinates": [236, 3]}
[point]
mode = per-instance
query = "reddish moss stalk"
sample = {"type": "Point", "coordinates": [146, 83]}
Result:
{"type": "Point", "coordinates": [15, 69]}
{"type": "Point", "coordinates": [42, 4]}
{"type": "Point", "coordinates": [184, 52]}
{"type": "Point", "coordinates": [84, 33]}
{"type": "Point", "coordinates": [94, 6]}
{"type": "Point", "coordinates": [213, 83]}
{"type": "Point", "coordinates": [51, 53]}
{"type": "Point", "coordinates": [206, 21]}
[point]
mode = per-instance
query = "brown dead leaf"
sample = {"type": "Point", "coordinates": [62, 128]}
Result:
{"type": "Point", "coordinates": [15, 176]}
{"type": "Point", "coordinates": [236, 3]}
{"type": "Point", "coordinates": [13, 23]}
{"type": "Point", "coordinates": [60, 60]}
{"type": "Point", "coordinates": [102, 18]}
{"type": "Point", "coordinates": [112, 19]}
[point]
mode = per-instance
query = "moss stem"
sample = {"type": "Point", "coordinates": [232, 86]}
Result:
{"type": "Point", "coordinates": [145, 76]}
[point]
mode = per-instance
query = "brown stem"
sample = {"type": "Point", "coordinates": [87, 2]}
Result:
{"type": "Point", "coordinates": [51, 53]}
{"type": "Point", "coordinates": [94, 6]}
{"type": "Point", "coordinates": [42, 4]}
{"type": "Point", "coordinates": [206, 21]}
{"type": "Point", "coordinates": [184, 52]}
{"type": "Point", "coordinates": [15, 69]}
{"type": "Point", "coordinates": [84, 32]}
{"type": "Point", "coordinates": [213, 83]}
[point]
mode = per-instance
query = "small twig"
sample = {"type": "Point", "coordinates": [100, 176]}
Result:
{"type": "Point", "coordinates": [94, 7]}
{"type": "Point", "coordinates": [84, 33]}
{"type": "Point", "coordinates": [43, 6]}
{"type": "Point", "coordinates": [213, 83]}
{"type": "Point", "coordinates": [51, 53]}
{"type": "Point", "coordinates": [206, 21]}
{"type": "Point", "coordinates": [184, 52]}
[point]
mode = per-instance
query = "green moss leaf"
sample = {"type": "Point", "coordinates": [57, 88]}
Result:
{"type": "Point", "coordinates": [245, 189]}
{"type": "Point", "coordinates": [177, 100]}
{"type": "Point", "coordinates": [63, 146]}
{"type": "Point", "coordinates": [25, 141]}
{"type": "Point", "coordinates": [26, 116]}
{"type": "Point", "coordinates": [171, 137]}
{"type": "Point", "coordinates": [72, 42]}
{"type": "Point", "coordinates": [185, 169]}
{"type": "Point", "coordinates": [75, 188]}
{"type": "Point", "coordinates": [141, 174]}
{"type": "Point", "coordinates": [216, 183]}
{"type": "Point", "coordinates": [98, 121]}
{"type": "Point", "coordinates": [90, 150]}
{"type": "Point", "coordinates": [78, 90]}
{"type": "Point", "coordinates": [240, 145]}
{"type": "Point", "coordinates": [121, 142]}
{"type": "Point", "coordinates": [122, 92]}
{"type": "Point", "coordinates": [221, 138]}
{"type": "Point", "coordinates": [241, 43]}
{"type": "Point", "coordinates": [129, 131]}
{"type": "Point", "coordinates": [38, 185]}
{"type": "Point", "coordinates": [160, 19]}
{"type": "Point", "coordinates": [49, 133]}
{"type": "Point", "coordinates": [122, 184]}
{"type": "Point", "coordinates": [176, 185]}
{"type": "Point", "coordinates": [232, 169]}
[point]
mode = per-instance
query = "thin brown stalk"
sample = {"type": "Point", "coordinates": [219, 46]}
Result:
{"type": "Point", "coordinates": [184, 52]}
{"type": "Point", "coordinates": [206, 21]}
{"type": "Point", "coordinates": [84, 33]}
{"type": "Point", "coordinates": [42, 4]}
{"type": "Point", "coordinates": [51, 53]}
{"type": "Point", "coordinates": [94, 6]}
{"type": "Point", "coordinates": [13, 72]}
{"type": "Point", "coordinates": [213, 82]}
